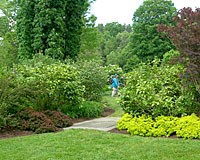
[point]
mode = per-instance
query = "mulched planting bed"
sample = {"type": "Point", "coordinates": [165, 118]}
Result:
{"type": "Point", "coordinates": [115, 130]}
{"type": "Point", "coordinates": [9, 133]}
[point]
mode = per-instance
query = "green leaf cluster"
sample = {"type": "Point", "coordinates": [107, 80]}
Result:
{"type": "Point", "coordinates": [187, 127]}
{"type": "Point", "coordinates": [169, 56]}
{"type": "Point", "coordinates": [8, 50]}
{"type": "Point", "coordinates": [60, 80]}
{"type": "Point", "coordinates": [155, 89]}
{"type": "Point", "coordinates": [88, 109]}
{"type": "Point", "coordinates": [93, 77]}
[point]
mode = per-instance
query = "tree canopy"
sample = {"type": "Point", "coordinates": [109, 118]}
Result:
{"type": "Point", "coordinates": [146, 42]}
{"type": "Point", "coordinates": [50, 27]}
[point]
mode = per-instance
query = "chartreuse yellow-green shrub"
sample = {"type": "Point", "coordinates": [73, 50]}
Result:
{"type": "Point", "coordinates": [122, 124]}
{"type": "Point", "coordinates": [140, 126]}
{"type": "Point", "coordinates": [187, 127]}
{"type": "Point", "coordinates": [164, 126]}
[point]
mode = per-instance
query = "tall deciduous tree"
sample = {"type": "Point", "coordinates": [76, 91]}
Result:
{"type": "Point", "coordinates": [114, 39]}
{"type": "Point", "coordinates": [113, 28]}
{"type": "Point", "coordinates": [119, 55]}
{"type": "Point", "coordinates": [8, 9]}
{"type": "Point", "coordinates": [90, 39]}
{"type": "Point", "coordinates": [4, 27]}
{"type": "Point", "coordinates": [146, 41]}
{"type": "Point", "coordinates": [50, 27]}
{"type": "Point", "coordinates": [8, 46]}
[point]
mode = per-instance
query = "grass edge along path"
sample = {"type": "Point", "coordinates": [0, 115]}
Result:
{"type": "Point", "coordinates": [113, 102]}
{"type": "Point", "coordinates": [79, 144]}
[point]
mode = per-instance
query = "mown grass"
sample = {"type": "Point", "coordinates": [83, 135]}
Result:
{"type": "Point", "coordinates": [113, 102]}
{"type": "Point", "coordinates": [77, 144]}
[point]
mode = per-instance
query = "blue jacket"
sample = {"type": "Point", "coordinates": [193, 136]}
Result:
{"type": "Point", "coordinates": [115, 83]}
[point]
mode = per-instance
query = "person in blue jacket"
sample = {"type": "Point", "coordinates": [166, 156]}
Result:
{"type": "Point", "coordinates": [115, 86]}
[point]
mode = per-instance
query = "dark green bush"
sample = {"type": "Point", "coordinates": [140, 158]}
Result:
{"type": "Point", "coordinates": [7, 99]}
{"type": "Point", "coordinates": [7, 120]}
{"type": "Point", "coordinates": [39, 59]}
{"type": "Point", "coordinates": [155, 89]}
{"type": "Point", "coordinates": [131, 63]}
{"type": "Point", "coordinates": [93, 77]}
{"type": "Point", "coordinates": [60, 81]}
{"type": "Point", "coordinates": [88, 109]}
{"type": "Point", "coordinates": [17, 96]}
{"type": "Point", "coordinates": [91, 109]}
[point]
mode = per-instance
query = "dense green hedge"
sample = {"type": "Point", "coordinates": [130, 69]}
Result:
{"type": "Point", "coordinates": [187, 127]}
{"type": "Point", "coordinates": [88, 109]}
{"type": "Point", "coordinates": [60, 80]}
{"type": "Point", "coordinates": [14, 97]}
{"type": "Point", "coordinates": [93, 77]}
{"type": "Point", "coordinates": [43, 83]}
{"type": "Point", "coordinates": [155, 89]}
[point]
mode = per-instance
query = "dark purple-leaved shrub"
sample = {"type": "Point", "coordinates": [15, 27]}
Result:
{"type": "Point", "coordinates": [35, 121]}
{"type": "Point", "coordinates": [42, 122]}
{"type": "Point", "coordinates": [186, 37]}
{"type": "Point", "coordinates": [58, 118]}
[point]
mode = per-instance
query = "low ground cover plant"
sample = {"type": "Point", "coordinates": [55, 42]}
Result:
{"type": "Point", "coordinates": [187, 127]}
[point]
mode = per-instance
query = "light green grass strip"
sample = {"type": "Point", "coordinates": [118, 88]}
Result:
{"type": "Point", "coordinates": [96, 145]}
{"type": "Point", "coordinates": [113, 102]}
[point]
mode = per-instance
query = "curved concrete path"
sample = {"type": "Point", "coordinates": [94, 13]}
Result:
{"type": "Point", "coordinates": [104, 124]}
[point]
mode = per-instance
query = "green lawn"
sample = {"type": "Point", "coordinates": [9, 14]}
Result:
{"type": "Point", "coordinates": [112, 102]}
{"type": "Point", "coordinates": [77, 144]}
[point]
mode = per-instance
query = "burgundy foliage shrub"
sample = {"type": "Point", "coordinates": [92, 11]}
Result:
{"type": "Point", "coordinates": [38, 122]}
{"type": "Point", "coordinates": [58, 118]}
{"type": "Point", "coordinates": [186, 37]}
{"type": "Point", "coordinates": [42, 122]}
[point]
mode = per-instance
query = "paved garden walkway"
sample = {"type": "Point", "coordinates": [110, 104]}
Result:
{"type": "Point", "coordinates": [104, 124]}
